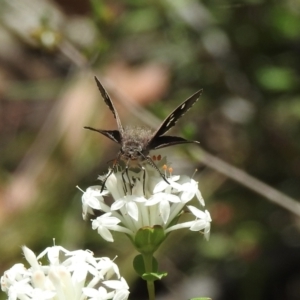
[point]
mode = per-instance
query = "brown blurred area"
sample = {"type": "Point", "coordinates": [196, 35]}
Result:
{"type": "Point", "coordinates": [150, 57]}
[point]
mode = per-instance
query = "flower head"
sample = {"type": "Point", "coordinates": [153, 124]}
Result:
{"type": "Point", "coordinates": [145, 200]}
{"type": "Point", "coordinates": [69, 275]}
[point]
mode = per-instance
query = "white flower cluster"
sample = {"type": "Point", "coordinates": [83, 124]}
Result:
{"type": "Point", "coordinates": [145, 199]}
{"type": "Point", "coordinates": [79, 276]}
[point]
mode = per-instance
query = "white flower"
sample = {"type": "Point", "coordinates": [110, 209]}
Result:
{"type": "Point", "coordinates": [121, 287]}
{"type": "Point", "coordinates": [113, 186]}
{"type": "Point", "coordinates": [202, 221]}
{"type": "Point", "coordinates": [162, 185]}
{"type": "Point", "coordinates": [108, 267]}
{"type": "Point", "coordinates": [130, 205]}
{"type": "Point", "coordinates": [98, 294]}
{"type": "Point", "coordinates": [17, 273]}
{"type": "Point", "coordinates": [190, 190]}
{"type": "Point", "coordinates": [163, 201]}
{"type": "Point", "coordinates": [105, 223]}
{"type": "Point", "coordinates": [38, 294]}
{"type": "Point", "coordinates": [92, 198]}
{"type": "Point", "coordinates": [72, 275]}
{"type": "Point", "coordinates": [144, 199]}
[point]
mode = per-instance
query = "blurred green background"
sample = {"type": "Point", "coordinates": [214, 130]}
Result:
{"type": "Point", "coordinates": [150, 56]}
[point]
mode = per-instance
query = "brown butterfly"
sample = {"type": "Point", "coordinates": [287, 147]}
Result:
{"type": "Point", "coordinates": [136, 143]}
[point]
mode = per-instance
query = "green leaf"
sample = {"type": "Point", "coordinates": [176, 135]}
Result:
{"type": "Point", "coordinates": [139, 265]}
{"type": "Point", "coordinates": [154, 276]}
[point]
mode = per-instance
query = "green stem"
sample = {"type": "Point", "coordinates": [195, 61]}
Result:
{"type": "Point", "coordinates": [148, 268]}
{"type": "Point", "coordinates": [151, 290]}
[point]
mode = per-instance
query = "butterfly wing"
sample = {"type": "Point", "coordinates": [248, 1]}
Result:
{"type": "Point", "coordinates": [109, 103]}
{"type": "Point", "coordinates": [171, 120]}
{"type": "Point", "coordinates": [166, 141]}
{"type": "Point", "coordinates": [114, 135]}
{"type": "Point", "coordinates": [176, 114]}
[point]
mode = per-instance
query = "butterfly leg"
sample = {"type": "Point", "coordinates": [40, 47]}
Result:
{"type": "Point", "coordinates": [126, 171]}
{"type": "Point", "coordinates": [104, 181]}
{"type": "Point", "coordinates": [115, 164]}
{"type": "Point", "coordinates": [124, 182]}
{"type": "Point", "coordinates": [144, 180]}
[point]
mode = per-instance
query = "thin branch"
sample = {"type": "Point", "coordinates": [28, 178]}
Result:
{"type": "Point", "coordinates": [246, 180]}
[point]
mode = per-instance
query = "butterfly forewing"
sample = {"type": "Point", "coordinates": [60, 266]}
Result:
{"type": "Point", "coordinates": [158, 141]}
{"type": "Point", "coordinates": [110, 105]}
{"type": "Point", "coordinates": [176, 114]}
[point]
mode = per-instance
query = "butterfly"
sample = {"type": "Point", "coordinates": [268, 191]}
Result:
{"type": "Point", "coordinates": [136, 143]}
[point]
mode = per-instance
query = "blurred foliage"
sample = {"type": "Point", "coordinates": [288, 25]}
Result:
{"type": "Point", "coordinates": [245, 56]}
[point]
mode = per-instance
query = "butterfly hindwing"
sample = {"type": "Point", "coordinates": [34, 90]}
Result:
{"type": "Point", "coordinates": [166, 141]}
{"type": "Point", "coordinates": [114, 135]}
{"type": "Point", "coordinates": [109, 103]}
{"type": "Point", "coordinates": [175, 115]}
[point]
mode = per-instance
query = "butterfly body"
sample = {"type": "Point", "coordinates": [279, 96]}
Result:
{"type": "Point", "coordinates": [137, 142]}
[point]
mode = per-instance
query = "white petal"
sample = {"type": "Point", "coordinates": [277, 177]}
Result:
{"type": "Point", "coordinates": [176, 186]}
{"type": "Point", "coordinates": [105, 233]}
{"type": "Point", "coordinates": [133, 210]}
{"type": "Point", "coordinates": [154, 199]}
{"type": "Point", "coordinates": [118, 204]}
{"type": "Point", "coordinates": [139, 199]}
{"type": "Point", "coordinates": [96, 294]}
{"type": "Point", "coordinates": [197, 212]}
{"type": "Point", "coordinates": [187, 196]}
{"type": "Point", "coordinates": [161, 186]}
{"type": "Point", "coordinates": [80, 273]}
{"type": "Point", "coordinates": [200, 198]}
{"type": "Point", "coordinates": [93, 202]}
{"type": "Point", "coordinates": [198, 225]}
{"type": "Point", "coordinates": [138, 189]}
{"type": "Point", "coordinates": [172, 198]}
{"type": "Point", "coordinates": [164, 208]}
{"type": "Point", "coordinates": [116, 284]}
{"type": "Point", "coordinates": [90, 292]}
{"type": "Point", "coordinates": [31, 257]}
{"type": "Point", "coordinates": [53, 254]}
{"type": "Point", "coordinates": [121, 295]}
